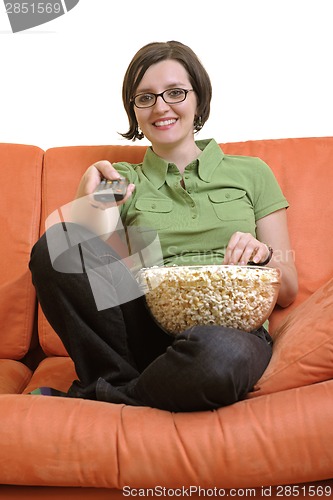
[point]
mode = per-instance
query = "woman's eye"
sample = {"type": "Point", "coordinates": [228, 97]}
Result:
{"type": "Point", "coordinates": [144, 98]}
{"type": "Point", "coordinates": [175, 93]}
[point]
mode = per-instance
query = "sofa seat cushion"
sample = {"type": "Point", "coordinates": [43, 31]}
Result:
{"type": "Point", "coordinates": [14, 376]}
{"type": "Point", "coordinates": [76, 442]}
{"type": "Point", "coordinates": [303, 346]}
{"type": "Point", "coordinates": [55, 372]}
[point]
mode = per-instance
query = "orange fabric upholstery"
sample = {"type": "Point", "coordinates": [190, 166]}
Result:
{"type": "Point", "coordinates": [303, 168]}
{"type": "Point", "coordinates": [74, 442]}
{"type": "Point", "coordinates": [14, 376]}
{"type": "Point", "coordinates": [20, 203]}
{"type": "Point", "coordinates": [281, 434]}
{"type": "Point", "coordinates": [54, 371]}
{"type": "Point", "coordinates": [303, 346]}
{"type": "Point", "coordinates": [66, 165]}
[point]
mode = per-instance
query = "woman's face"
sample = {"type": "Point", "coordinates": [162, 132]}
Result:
{"type": "Point", "coordinates": [167, 125]}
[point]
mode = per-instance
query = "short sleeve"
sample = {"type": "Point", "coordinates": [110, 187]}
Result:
{"type": "Point", "coordinates": [268, 196]}
{"type": "Point", "coordinates": [126, 170]}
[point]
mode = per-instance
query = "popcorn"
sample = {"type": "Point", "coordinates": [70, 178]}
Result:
{"type": "Point", "coordinates": [240, 297]}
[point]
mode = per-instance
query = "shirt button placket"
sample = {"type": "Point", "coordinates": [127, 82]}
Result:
{"type": "Point", "coordinates": [188, 191]}
{"type": "Point", "coordinates": [193, 210]}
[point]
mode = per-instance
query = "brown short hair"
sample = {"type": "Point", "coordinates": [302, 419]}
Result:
{"type": "Point", "coordinates": [153, 53]}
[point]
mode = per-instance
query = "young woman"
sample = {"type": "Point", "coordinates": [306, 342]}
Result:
{"type": "Point", "coordinates": [207, 208]}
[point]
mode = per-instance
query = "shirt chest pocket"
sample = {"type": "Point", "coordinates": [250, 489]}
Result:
{"type": "Point", "coordinates": [153, 213]}
{"type": "Point", "coordinates": [230, 204]}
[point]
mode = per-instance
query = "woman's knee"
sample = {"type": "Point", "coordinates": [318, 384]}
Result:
{"type": "Point", "coordinates": [226, 361]}
{"type": "Point", "coordinates": [204, 368]}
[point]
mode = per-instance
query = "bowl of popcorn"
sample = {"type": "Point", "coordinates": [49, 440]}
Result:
{"type": "Point", "coordinates": [234, 296]}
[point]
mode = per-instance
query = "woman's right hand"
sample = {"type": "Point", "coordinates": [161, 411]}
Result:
{"type": "Point", "coordinates": [93, 176]}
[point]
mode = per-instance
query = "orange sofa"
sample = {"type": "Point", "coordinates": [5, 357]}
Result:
{"type": "Point", "coordinates": [281, 434]}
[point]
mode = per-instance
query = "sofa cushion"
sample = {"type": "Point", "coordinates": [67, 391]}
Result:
{"type": "Point", "coordinates": [14, 376]}
{"type": "Point", "coordinates": [303, 346]}
{"type": "Point", "coordinates": [57, 173]}
{"type": "Point", "coordinates": [20, 180]}
{"type": "Point", "coordinates": [301, 166]}
{"type": "Point", "coordinates": [74, 442]}
{"type": "Point", "coordinates": [57, 372]}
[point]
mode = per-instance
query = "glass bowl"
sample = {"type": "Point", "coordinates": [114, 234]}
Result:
{"type": "Point", "coordinates": [234, 296]}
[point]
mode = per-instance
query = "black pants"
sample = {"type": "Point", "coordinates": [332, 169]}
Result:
{"type": "Point", "coordinates": [120, 354]}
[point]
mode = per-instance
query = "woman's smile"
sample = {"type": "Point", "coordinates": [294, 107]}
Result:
{"type": "Point", "coordinates": [167, 125]}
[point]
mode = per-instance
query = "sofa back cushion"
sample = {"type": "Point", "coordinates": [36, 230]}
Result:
{"type": "Point", "coordinates": [63, 168]}
{"type": "Point", "coordinates": [303, 168]}
{"type": "Point", "coordinates": [20, 180]}
{"type": "Point", "coordinates": [303, 346]}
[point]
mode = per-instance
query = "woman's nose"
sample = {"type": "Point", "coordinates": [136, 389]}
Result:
{"type": "Point", "coordinates": [160, 104]}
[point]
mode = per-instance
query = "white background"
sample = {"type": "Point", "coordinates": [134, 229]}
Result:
{"type": "Point", "coordinates": [270, 63]}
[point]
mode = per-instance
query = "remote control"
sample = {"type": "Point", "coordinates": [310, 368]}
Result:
{"type": "Point", "coordinates": [108, 191]}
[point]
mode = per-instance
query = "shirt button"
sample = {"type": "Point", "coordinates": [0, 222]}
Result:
{"type": "Point", "coordinates": [227, 195]}
{"type": "Point", "coordinates": [189, 191]}
{"type": "Point", "coordinates": [194, 216]}
{"type": "Point", "coordinates": [153, 205]}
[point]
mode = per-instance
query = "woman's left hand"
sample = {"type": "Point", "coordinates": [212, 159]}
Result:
{"type": "Point", "coordinates": [272, 229]}
{"type": "Point", "coordinates": [243, 247]}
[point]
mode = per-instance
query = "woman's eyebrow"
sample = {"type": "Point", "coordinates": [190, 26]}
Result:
{"type": "Point", "coordinates": [169, 86]}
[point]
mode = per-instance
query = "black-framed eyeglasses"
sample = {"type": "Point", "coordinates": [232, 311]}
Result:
{"type": "Point", "coordinates": [170, 96]}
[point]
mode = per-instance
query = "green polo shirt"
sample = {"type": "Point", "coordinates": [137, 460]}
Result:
{"type": "Point", "coordinates": [222, 194]}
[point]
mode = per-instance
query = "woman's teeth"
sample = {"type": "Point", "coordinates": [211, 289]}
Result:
{"type": "Point", "coordinates": [164, 123]}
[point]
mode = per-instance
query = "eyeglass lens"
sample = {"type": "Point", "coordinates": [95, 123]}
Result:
{"type": "Point", "coordinates": [169, 96]}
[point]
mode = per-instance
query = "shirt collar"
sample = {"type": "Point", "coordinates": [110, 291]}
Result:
{"type": "Point", "coordinates": [209, 159]}
{"type": "Point", "coordinates": [155, 168]}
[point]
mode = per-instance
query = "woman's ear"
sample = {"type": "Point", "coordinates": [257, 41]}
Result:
{"type": "Point", "coordinates": [197, 123]}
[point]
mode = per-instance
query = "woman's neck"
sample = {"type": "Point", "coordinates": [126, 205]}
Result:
{"type": "Point", "coordinates": [180, 156]}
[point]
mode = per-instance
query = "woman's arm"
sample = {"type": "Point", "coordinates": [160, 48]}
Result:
{"type": "Point", "coordinates": [272, 230]}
